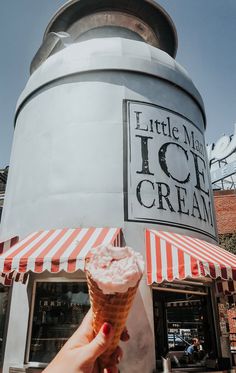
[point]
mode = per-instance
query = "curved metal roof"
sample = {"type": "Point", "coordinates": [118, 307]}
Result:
{"type": "Point", "coordinates": [146, 10]}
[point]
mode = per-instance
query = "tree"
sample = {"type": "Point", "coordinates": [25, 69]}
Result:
{"type": "Point", "coordinates": [228, 242]}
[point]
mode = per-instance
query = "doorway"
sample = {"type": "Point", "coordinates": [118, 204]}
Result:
{"type": "Point", "coordinates": [184, 328]}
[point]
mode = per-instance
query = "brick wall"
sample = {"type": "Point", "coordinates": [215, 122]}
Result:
{"type": "Point", "coordinates": [225, 206]}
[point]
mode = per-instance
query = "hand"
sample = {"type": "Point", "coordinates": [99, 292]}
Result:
{"type": "Point", "coordinates": [81, 352]}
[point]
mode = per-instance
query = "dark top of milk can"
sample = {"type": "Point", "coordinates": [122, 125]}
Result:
{"type": "Point", "coordinates": [148, 11]}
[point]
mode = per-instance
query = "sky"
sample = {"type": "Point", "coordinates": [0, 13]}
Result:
{"type": "Point", "coordinates": [207, 50]}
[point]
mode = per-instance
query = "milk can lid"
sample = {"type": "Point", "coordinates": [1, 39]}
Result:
{"type": "Point", "coordinates": [154, 25]}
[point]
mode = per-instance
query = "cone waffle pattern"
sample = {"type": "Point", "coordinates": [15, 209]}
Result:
{"type": "Point", "coordinates": [112, 308]}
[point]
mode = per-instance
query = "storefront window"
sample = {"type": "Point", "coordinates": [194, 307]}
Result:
{"type": "Point", "coordinates": [4, 295]}
{"type": "Point", "coordinates": [59, 308]}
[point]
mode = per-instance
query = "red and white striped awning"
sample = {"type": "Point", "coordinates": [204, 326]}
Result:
{"type": "Point", "coordinates": [56, 250]}
{"type": "Point", "coordinates": [4, 246]}
{"type": "Point", "coordinates": [173, 256]}
{"type": "Point", "coordinates": [225, 287]}
{"type": "Point", "coordinates": [7, 278]}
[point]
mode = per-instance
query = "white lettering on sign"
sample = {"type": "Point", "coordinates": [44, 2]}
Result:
{"type": "Point", "coordinates": [167, 171]}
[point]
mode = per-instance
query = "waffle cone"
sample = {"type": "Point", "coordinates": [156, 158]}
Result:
{"type": "Point", "coordinates": [112, 308]}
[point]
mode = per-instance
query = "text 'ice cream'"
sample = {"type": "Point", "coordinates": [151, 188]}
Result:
{"type": "Point", "coordinates": [115, 269]}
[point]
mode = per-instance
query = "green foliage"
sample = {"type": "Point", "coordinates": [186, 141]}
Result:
{"type": "Point", "coordinates": [228, 242]}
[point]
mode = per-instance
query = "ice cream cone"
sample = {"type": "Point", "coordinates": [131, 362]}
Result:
{"type": "Point", "coordinates": [112, 308]}
{"type": "Point", "coordinates": [113, 275]}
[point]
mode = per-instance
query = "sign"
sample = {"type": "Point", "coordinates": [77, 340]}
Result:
{"type": "Point", "coordinates": [223, 172]}
{"type": "Point", "coordinates": [167, 178]}
{"type": "Point", "coordinates": [222, 159]}
{"type": "Point", "coordinates": [223, 148]}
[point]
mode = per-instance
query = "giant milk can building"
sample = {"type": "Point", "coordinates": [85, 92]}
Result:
{"type": "Point", "coordinates": [116, 127]}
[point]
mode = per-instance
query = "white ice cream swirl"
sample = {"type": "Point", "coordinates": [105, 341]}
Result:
{"type": "Point", "coordinates": [115, 269]}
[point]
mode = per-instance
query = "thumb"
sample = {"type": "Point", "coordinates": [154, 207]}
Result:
{"type": "Point", "coordinates": [100, 343]}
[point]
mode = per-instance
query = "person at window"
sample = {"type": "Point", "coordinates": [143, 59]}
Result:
{"type": "Point", "coordinates": [193, 350]}
{"type": "Point", "coordinates": [81, 352]}
{"type": "Point", "coordinates": [194, 347]}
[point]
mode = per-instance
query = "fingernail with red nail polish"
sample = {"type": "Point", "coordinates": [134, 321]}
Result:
{"type": "Point", "coordinates": [106, 329]}
{"type": "Point", "coordinates": [109, 370]}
